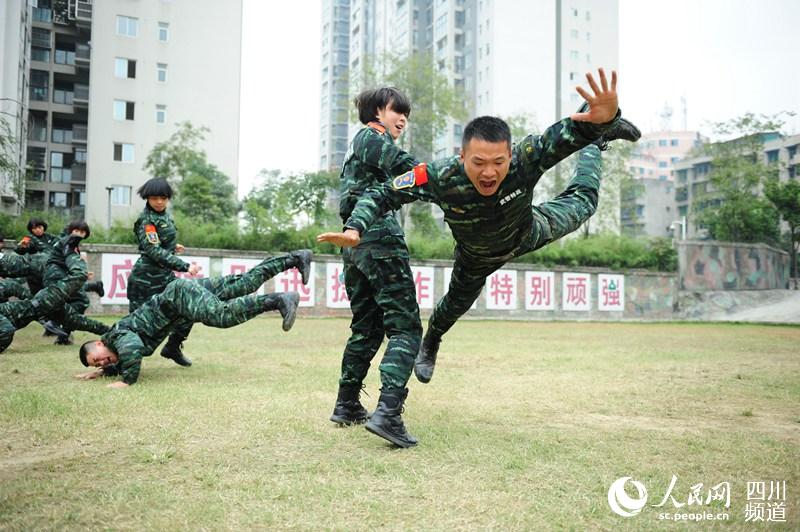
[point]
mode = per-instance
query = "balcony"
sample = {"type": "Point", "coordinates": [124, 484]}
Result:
{"type": "Point", "coordinates": [81, 12]}
{"type": "Point", "coordinates": [81, 96]}
{"type": "Point", "coordinates": [78, 173]}
{"type": "Point", "coordinates": [80, 134]}
{"type": "Point", "coordinates": [83, 55]}
{"type": "Point", "coordinates": [38, 134]}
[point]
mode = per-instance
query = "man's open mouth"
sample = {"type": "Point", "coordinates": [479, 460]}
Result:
{"type": "Point", "coordinates": [487, 184]}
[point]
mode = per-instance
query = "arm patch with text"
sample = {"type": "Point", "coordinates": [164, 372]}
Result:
{"type": "Point", "coordinates": [152, 234]}
{"type": "Point", "coordinates": [417, 176]}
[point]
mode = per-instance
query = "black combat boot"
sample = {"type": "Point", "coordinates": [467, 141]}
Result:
{"type": "Point", "coordinates": [301, 260]}
{"type": "Point", "coordinates": [426, 358]}
{"type": "Point", "coordinates": [386, 421]}
{"type": "Point", "coordinates": [64, 339]}
{"type": "Point", "coordinates": [53, 329]}
{"type": "Point", "coordinates": [173, 350]}
{"type": "Point", "coordinates": [286, 304]}
{"type": "Point", "coordinates": [348, 409]}
{"type": "Point", "coordinates": [624, 130]}
{"type": "Point", "coordinates": [96, 287]}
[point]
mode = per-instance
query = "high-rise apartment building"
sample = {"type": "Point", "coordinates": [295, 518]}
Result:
{"type": "Point", "coordinates": [509, 57]}
{"type": "Point", "coordinates": [15, 37]}
{"type": "Point", "coordinates": [651, 209]}
{"type": "Point", "coordinates": [109, 80]}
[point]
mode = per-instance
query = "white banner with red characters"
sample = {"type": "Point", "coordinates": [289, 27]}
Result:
{"type": "Point", "coordinates": [501, 290]}
{"type": "Point", "coordinates": [423, 282]}
{"type": "Point", "coordinates": [575, 291]}
{"type": "Point", "coordinates": [611, 292]}
{"type": "Point", "coordinates": [539, 291]}
{"type": "Point", "coordinates": [448, 273]}
{"type": "Point", "coordinates": [240, 266]}
{"type": "Point", "coordinates": [292, 281]}
{"type": "Point", "coordinates": [117, 268]}
{"type": "Point", "coordinates": [335, 294]}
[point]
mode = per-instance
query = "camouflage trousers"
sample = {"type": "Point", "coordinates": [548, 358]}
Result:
{"type": "Point", "coordinates": [12, 287]}
{"type": "Point", "coordinates": [551, 220]}
{"type": "Point", "coordinates": [13, 265]}
{"type": "Point", "coordinates": [383, 301]}
{"type": "Point", "coordinates": [233, 286]}
{"type": "Point", "coordinates": [145, 282]}
{"type": "Point", "coordinates": [188, 301]}
{"type": "Point", "coordinates": [15, 315]}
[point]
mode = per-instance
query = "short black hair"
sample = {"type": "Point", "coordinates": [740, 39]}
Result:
{"type": "Point", "coordinates": [488, 128]}
{"type": "Point", "coordinates": [156, 186]}
{"type": "Point", "coordinates": [80, 225]}
{"type": "Point", "coordinates": [86, 348]}
{"type": "Point", "coordinates": [33, 222]}
{"type": "Point", "coordinates": [369, 101]}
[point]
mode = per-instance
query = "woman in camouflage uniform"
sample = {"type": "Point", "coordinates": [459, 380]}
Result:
{"type": "Point", "coordinates": [156, 236]}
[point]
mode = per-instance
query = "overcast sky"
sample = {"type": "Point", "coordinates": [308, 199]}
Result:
{"type": "Point", "coordinates": [726, 57]}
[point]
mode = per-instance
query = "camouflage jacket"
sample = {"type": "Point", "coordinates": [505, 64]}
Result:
{"type": "Point", "coordinates": [36, 244]}
{"type": "Point", "coordinates": [373, 158]}
{"type": "Point", "coordinates": [135, 336]}
{"type": "Point", "coordinates": [491, 226]}
{"type": "Point", "coordinates": [157, 237]}
{"type": "Point", "coordinates": [56, 268]}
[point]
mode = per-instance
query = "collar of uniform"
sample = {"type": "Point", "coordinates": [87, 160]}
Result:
{"type": "Point", "coordinates": [377, 126]}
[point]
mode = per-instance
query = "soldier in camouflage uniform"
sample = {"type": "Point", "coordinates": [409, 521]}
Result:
{"type": "Point", "coordinates": [156, 236]}
{"type": "Point", "coordinates": [15, 315]}
{"type": "Point", "coordinates": [377, 274]}
{"type": "Point", "coordinates": [55, 271]}
{"type": "Point", "coordinates": [217, 302]}
{"type": "Point", "coordinates": [38, 240]}
{"type": "Point", "coordinates": [486, 195]}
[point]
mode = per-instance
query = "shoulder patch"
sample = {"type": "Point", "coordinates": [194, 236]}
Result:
{"type": "Point", "coordinates": [152, 234]}
{"type": "Point", "coordinates": [415, 177]}
{"type": "Point", "coordinates": [377, 126]}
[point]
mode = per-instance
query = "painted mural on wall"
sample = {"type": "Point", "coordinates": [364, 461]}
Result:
{"type": "Point", "coordinates": [724, 266]}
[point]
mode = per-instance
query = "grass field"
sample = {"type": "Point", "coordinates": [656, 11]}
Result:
{"type": "Point", "coordinates": [524, 427]}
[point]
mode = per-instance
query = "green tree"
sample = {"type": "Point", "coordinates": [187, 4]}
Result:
{"type": "Point", "coordinates": [202, 190]}
{"type": "Point", "coordinates": [433, 100]}
{"type": "Point", "coordinates": [786, 199]}
{"type": "Point", "coordinates": [282, 201]}
{"type": "Point", "coordinates": [9, 165]}
{"type": "Point", "coordinates": [731, 207]}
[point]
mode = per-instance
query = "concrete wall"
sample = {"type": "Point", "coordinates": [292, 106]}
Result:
{"type": "Point", "coordinates": [709, 265]}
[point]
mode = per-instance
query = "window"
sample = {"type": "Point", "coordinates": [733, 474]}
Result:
{"type": "Point", "coordinates": [673, 142]}
{"type": "Point", "coordinates": [123, 110]}
{"type": "Point", "coordinates": [123, 152]}
{"type": "Point", "coordinates": [60, 167]}
{"type": "Point", "coordinates": [163, 31]}
{"type": "Point", "coordinates": [589, 36]}
{"type": "Point", "coordinates": [662, 142]}
{"type": "Point", "coordinates": [573, 34]}
{"type": "Point", "coordinates": [573, 54]}
{"type": "Point", "coordinates": [588, 15]}
{"type": "Point", "coordinates": [161, 114]}
{"type": "Point", "coordinates": [772, 156]}
{"type": "Point", "coordinates": [124, 68]}
{"type": "Point", "coordinates": [127, 26]}
{"type": "Point", "coordinates": [161, 72]}
{"type": "Point", "coordinates": [573, 76]}
{"type": "Point", "coordinates": [120, 195]}
{"type": "Point", "coordinates": [662, 164]}
{"type": "Point", "coordinates": [80, 156]}
{"type": "Point", "coordinates": [58, 199]}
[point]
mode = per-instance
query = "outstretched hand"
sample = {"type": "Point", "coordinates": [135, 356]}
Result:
{"type": "Point", "coordinates": [603, 104]}
{"type": "Point", "coordinates": [350, 238]}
